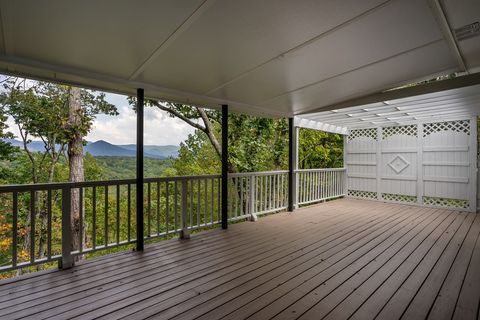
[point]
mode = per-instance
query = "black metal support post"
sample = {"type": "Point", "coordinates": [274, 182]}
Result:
{"type": "Point", "coordinates": [224, 166]}
{"type": "Point", "coordinates": [291, 164]}
{"type": "Point", "coordinates": [139, 184]}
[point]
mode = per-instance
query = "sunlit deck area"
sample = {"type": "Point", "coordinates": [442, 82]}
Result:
{"type": "Point", "coordinates": [340, 259]}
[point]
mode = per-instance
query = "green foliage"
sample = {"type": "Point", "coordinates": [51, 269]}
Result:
{"type": "Point", "coordinates": [318, 149]}
{"type": "Point", "coordinates": [196, 156]}
{"type": "Point", "coordinates": [125, 167]}
{"type": "Point", "coordinates": [6, 149]}
{"type": "Point", "coordinates": [41, 110]}
{"type": "Point", "coordinates": [259, 144]}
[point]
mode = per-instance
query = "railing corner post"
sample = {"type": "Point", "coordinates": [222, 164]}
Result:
{"type": "Point", "coordinates": [253, 215]}
{"type": "Point", "coordinates": [67, 260]}
{"type": "Point", "coordinates": [184, 233]}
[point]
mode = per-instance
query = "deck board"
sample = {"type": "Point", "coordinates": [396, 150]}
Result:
{"type": "Point", "coordinates": [336, 260]}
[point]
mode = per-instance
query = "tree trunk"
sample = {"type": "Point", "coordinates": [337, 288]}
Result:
{"type": "Point", "coordinates": [75, 161]}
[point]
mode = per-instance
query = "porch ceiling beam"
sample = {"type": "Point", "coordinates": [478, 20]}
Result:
{"type": "Point", "coordinates": [412, 115]}
{"type": "Point", "coordinates": [458, 82]}
{"type": "Point", "coordinates": [408, 101]}
{"type": "Point", "coordinates": [411, 120]}
{"type": "Point", "coordinates": [310, 124]}
{"type": "Point", "coordinates": [442, 20]}
{"type": "Point", "coordinates": [118, 85]}
{"type": "Point", "coordinates": [473, 109]}
{"type": "Point", "coordinates": [394, 107]}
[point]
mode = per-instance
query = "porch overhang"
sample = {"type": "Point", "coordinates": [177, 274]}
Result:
{"type": "Point", "coordinates": [446, 105]}
{"type": "Point", "coordinates": [269, 58]}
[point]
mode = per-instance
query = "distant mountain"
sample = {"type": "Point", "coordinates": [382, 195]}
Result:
{"type": "Point", "coordinates": [103, 148]}
{"type": "Point", "coordinates": [35, 146]}
{"type": "Point", "coordinates": [158, 151]}
{"type": "Point", "coordinates": [106, 149]}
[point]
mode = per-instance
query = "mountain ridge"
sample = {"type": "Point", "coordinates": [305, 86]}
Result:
{"type": "Point", "coordinates": [102, 148]}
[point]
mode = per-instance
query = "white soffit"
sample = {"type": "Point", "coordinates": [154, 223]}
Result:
{"type": "Point", "coordinates": [460, 103]}
{"type": "Point", "coordinates": [269, 57]}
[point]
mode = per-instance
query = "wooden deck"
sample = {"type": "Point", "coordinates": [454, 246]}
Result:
{"type": "Point", "coordinates": [342, 259]}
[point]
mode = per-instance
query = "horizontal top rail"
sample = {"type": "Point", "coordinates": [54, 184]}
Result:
{"type": "Point", "coordinates": [60, 185]}
{"type": "Point", "coordinates": [262, 173]}
{"type": "Point", "coordinates": [320, 170]}
{"type": "Point", "coordinates": [85, 184]}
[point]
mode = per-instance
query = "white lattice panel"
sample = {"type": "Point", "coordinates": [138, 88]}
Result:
{"type": "Point", "coordinates": [410, 130]}
{"type": "Point", "coordinates": [461, 126]}
{"type": "Point", "coordinates": [399, 198]}
{"type": "Point", "coordinates": [425, 163]}
{"type": "Point", "coordinates": [367, 133]}
{"type": "Point", "coordinates": [362, 194]}
{"type": "Point", "coordinates": [446, 202]}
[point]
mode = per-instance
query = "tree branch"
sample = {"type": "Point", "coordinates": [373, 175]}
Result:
{"type": "Point", "coordinates": [209, 131]}
{"type": "Point", "coordinates": [179, 115]}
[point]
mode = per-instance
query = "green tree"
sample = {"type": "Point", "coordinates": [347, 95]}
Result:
{"type": "Point", "coordinates": [60, 116]}
{"type": "Point", "coordinates": [319, 149]}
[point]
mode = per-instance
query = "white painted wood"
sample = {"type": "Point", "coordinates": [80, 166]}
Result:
{"type": "Point", "coordinates": [420, 164]}
{"type": "Point", "coordinates": [296, 184]}
{"type": "Point", "coordinates": [379, 160]}
{"type": "Point", "coordinates": [473, 167]}
{"type": "Point", "coordinates": [435, 161]}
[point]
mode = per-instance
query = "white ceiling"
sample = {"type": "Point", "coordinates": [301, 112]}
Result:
{"type": "Point", "coordinates": [459, 103]}
{"type": "Point", "coordinates": [269, 57]}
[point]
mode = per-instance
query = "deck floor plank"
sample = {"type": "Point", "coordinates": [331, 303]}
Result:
{"type": "Point", "coordinates": [341, 259]}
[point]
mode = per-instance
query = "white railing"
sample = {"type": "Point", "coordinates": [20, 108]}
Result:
{"type": "Point", "coordinates": [172, 205]}
{"type": "Point", "coordinates": [316, 185]}
{"type": "Point", "coordinates": [256, 193]}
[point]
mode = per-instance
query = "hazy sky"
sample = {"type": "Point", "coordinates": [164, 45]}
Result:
{"type": "Point", "coordinates": [160, 129]}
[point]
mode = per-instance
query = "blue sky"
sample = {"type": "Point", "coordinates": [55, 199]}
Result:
{"type": "Point", "coordinates": [160, 129]}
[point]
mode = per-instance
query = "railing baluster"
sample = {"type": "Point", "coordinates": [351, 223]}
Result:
{"type": "Point", "coordinates": [184, 233]}
{"type": "Point", "coordinates": [265, 205]}
{"type": "Point", "coordinates": [94, 217]}
{"type": "Point", "coordinates": [213, 200]}
{"type": "Point", "coordinates": [158, 208]}
{"type": "Point", "coordinates": [118, 214]}
{"type": "Point", "coordinates": [175, 184]}
{"type": "Point", "coordinates": [129, 211]}
{"type": "Point", "coordinates": [230, 192]}
{"type": "Point", "coordinates": [198, 202]}
{"type": "Point", "coordinates": [274, 182]}
{"type": "Point", "coordinates": [80, 218]}
{"type": "Point", "coordinates": [14, 228]}
{"type": "Point", "coordinates": [49, 224]}
{"type": "Point", "coordinates": [106, 218]}
{"type": "Point", "coordinates": [219, 198]}
{"type": "Point", "coordinates": [253, 216]}
{"type": "Point", "coordinates": [241, 196]}
{"type": "Point", "coordinates": [67, 260]}
{"type": "Point", "coordinates": [32, 226]}
{"type": "Point", "coordinates": [206, 202]}
{"type": "Point", "coordinates": [167, 206]}
{"type": "Point", "coordinates": [260, 179]}
{"type": "Point", "coordinates": [270, 196]}
{"type": "Point", "coordinates": [149, 209]}
{"type": "Point", "coordinates": [191, 203]}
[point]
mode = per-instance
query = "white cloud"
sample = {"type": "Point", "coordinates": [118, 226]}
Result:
{"type": "Point", "coordinates": [160, 129]}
